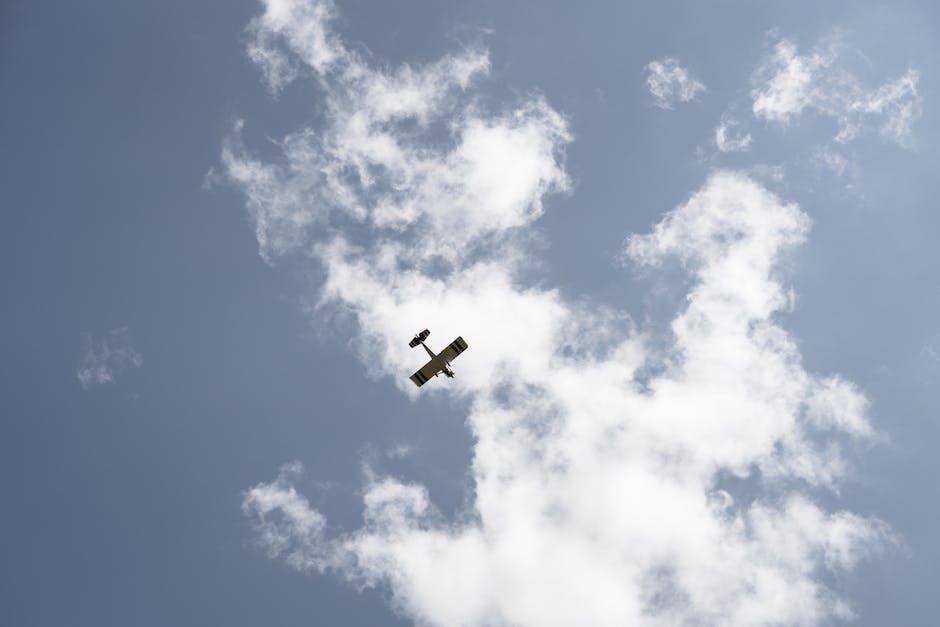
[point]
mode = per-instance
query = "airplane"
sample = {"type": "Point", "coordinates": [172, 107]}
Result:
{"type": "Point", "coordinates": [439, 363]}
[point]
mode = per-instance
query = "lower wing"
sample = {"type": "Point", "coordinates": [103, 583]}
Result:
{"type": "Point", "coordinates": [427, 371]}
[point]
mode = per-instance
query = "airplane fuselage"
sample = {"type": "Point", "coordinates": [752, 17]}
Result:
{"type": "Point", "coordinates": [439, 363]}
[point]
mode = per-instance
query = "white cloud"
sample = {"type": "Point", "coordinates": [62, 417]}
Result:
{"type": "Point", "coordinates": [304, 28]}
{"type": "Point", "coordinates": [786, 84]}
{"type": "Point", "coordinates": [898, 104]}
{"type": "Point", "coordinates": [384, 157]}
{"type": "Point", "coordinates": [729, 138]}
{"type": "Point", "coordinates": [604, 468]}
{"type": "Point", "coordinates": [285, 522]}
{"type": "Point", "coordinates": [107, 358]}
{"type": "Point", "coordinates": [669, 83]}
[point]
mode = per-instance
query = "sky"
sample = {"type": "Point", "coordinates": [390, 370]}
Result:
{"type": "Point", "coordinates": [690, 246]}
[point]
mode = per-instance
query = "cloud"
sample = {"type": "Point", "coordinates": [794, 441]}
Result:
{"type": "Point", "coordinates": [786, 84]}
{"type": "Point", "coordinates": [385, 156]}
{"type": "Point", "coordinates": [608, 464]}
{"type": "Point", "coordinates": [669, 83]}
{"type": "Point", "coordinates": [400, 450]}
{"type": "Point", "coordinates": [304, 28]}
{"type": "Point", "coordinates": [831, 160]}
{"type": "Point", "coordinates": [106, 358]}
{"type": "Point", "coordinates": [898, 103]}
{"type": "Point", "coordinates": [729, 139]}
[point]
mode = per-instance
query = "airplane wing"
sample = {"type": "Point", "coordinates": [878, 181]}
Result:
{"type": "Point", "coordinates": [427, 371]}
{"type": "Point", "coordinates": [453, 349]}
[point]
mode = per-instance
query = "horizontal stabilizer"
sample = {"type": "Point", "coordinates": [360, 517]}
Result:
{"type": "Point", "coordinates": [419, 338]}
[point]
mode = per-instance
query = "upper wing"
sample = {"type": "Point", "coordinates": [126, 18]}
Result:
{"type": "Point", "coordinates": [453, 349]}
{"type": "Point", "coordinates": [427, 371]}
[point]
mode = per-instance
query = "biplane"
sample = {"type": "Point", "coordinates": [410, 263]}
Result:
{"type": "Point", "coordinates": [440, 362]}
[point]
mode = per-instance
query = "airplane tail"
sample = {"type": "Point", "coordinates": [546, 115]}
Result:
{"type": "Point", "coordinates": [419, 338]}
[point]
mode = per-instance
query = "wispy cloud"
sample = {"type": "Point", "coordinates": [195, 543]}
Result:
{"type": "Point", "coordinates": [730, 138]}
{"type": "Point", "coordinates": [786, 84]}
{"type": "Point", "coordinates": [831, 160]}
{"type": "Point", "coordinates": [107, 357]}
{"type": "Point", "coordinates": [669, 83]}
{"type": "Point", "coordinates": [400, 450]}
{"type": "Point", "coordinates": [606, 462]}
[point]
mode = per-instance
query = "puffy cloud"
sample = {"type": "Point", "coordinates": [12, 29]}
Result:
{"type": "Point", "coordinates": [106, 358]}
{"type": "Point", "coordinates": [384, 156]}
{"type": "Point", "coordinates": [786, 84]}
{"type": "Point", "coordinates": [607, 463]}
{"type": "Point", "coordinates": [669, 83]}
{"type": "Point", "coordinates": [398, 151]}
{"type": "Point", "coordinates": [301, 26]}
{"type": "Point", "coordinates": [789, 82]}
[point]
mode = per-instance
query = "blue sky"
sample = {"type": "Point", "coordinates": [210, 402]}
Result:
{"type": "Point", "coordinates": [691, 248]}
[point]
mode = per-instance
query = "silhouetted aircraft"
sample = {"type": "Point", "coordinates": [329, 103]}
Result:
{"type": "Point", "coordinates": [439, 363]}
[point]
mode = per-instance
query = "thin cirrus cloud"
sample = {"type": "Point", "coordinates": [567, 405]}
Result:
{"type": "Point", "coordinates": [832, 161]}
{"type": "Point", "coordinates": [606, 469]}
{"type": "Point", "coordinates": [788, 84]}
{"type": "Point", "coordinates": [669, 83]}
{"type": "Point", "coordinates": [730, 138]}
{"type": "Point", "coordinates": [108, 357]}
